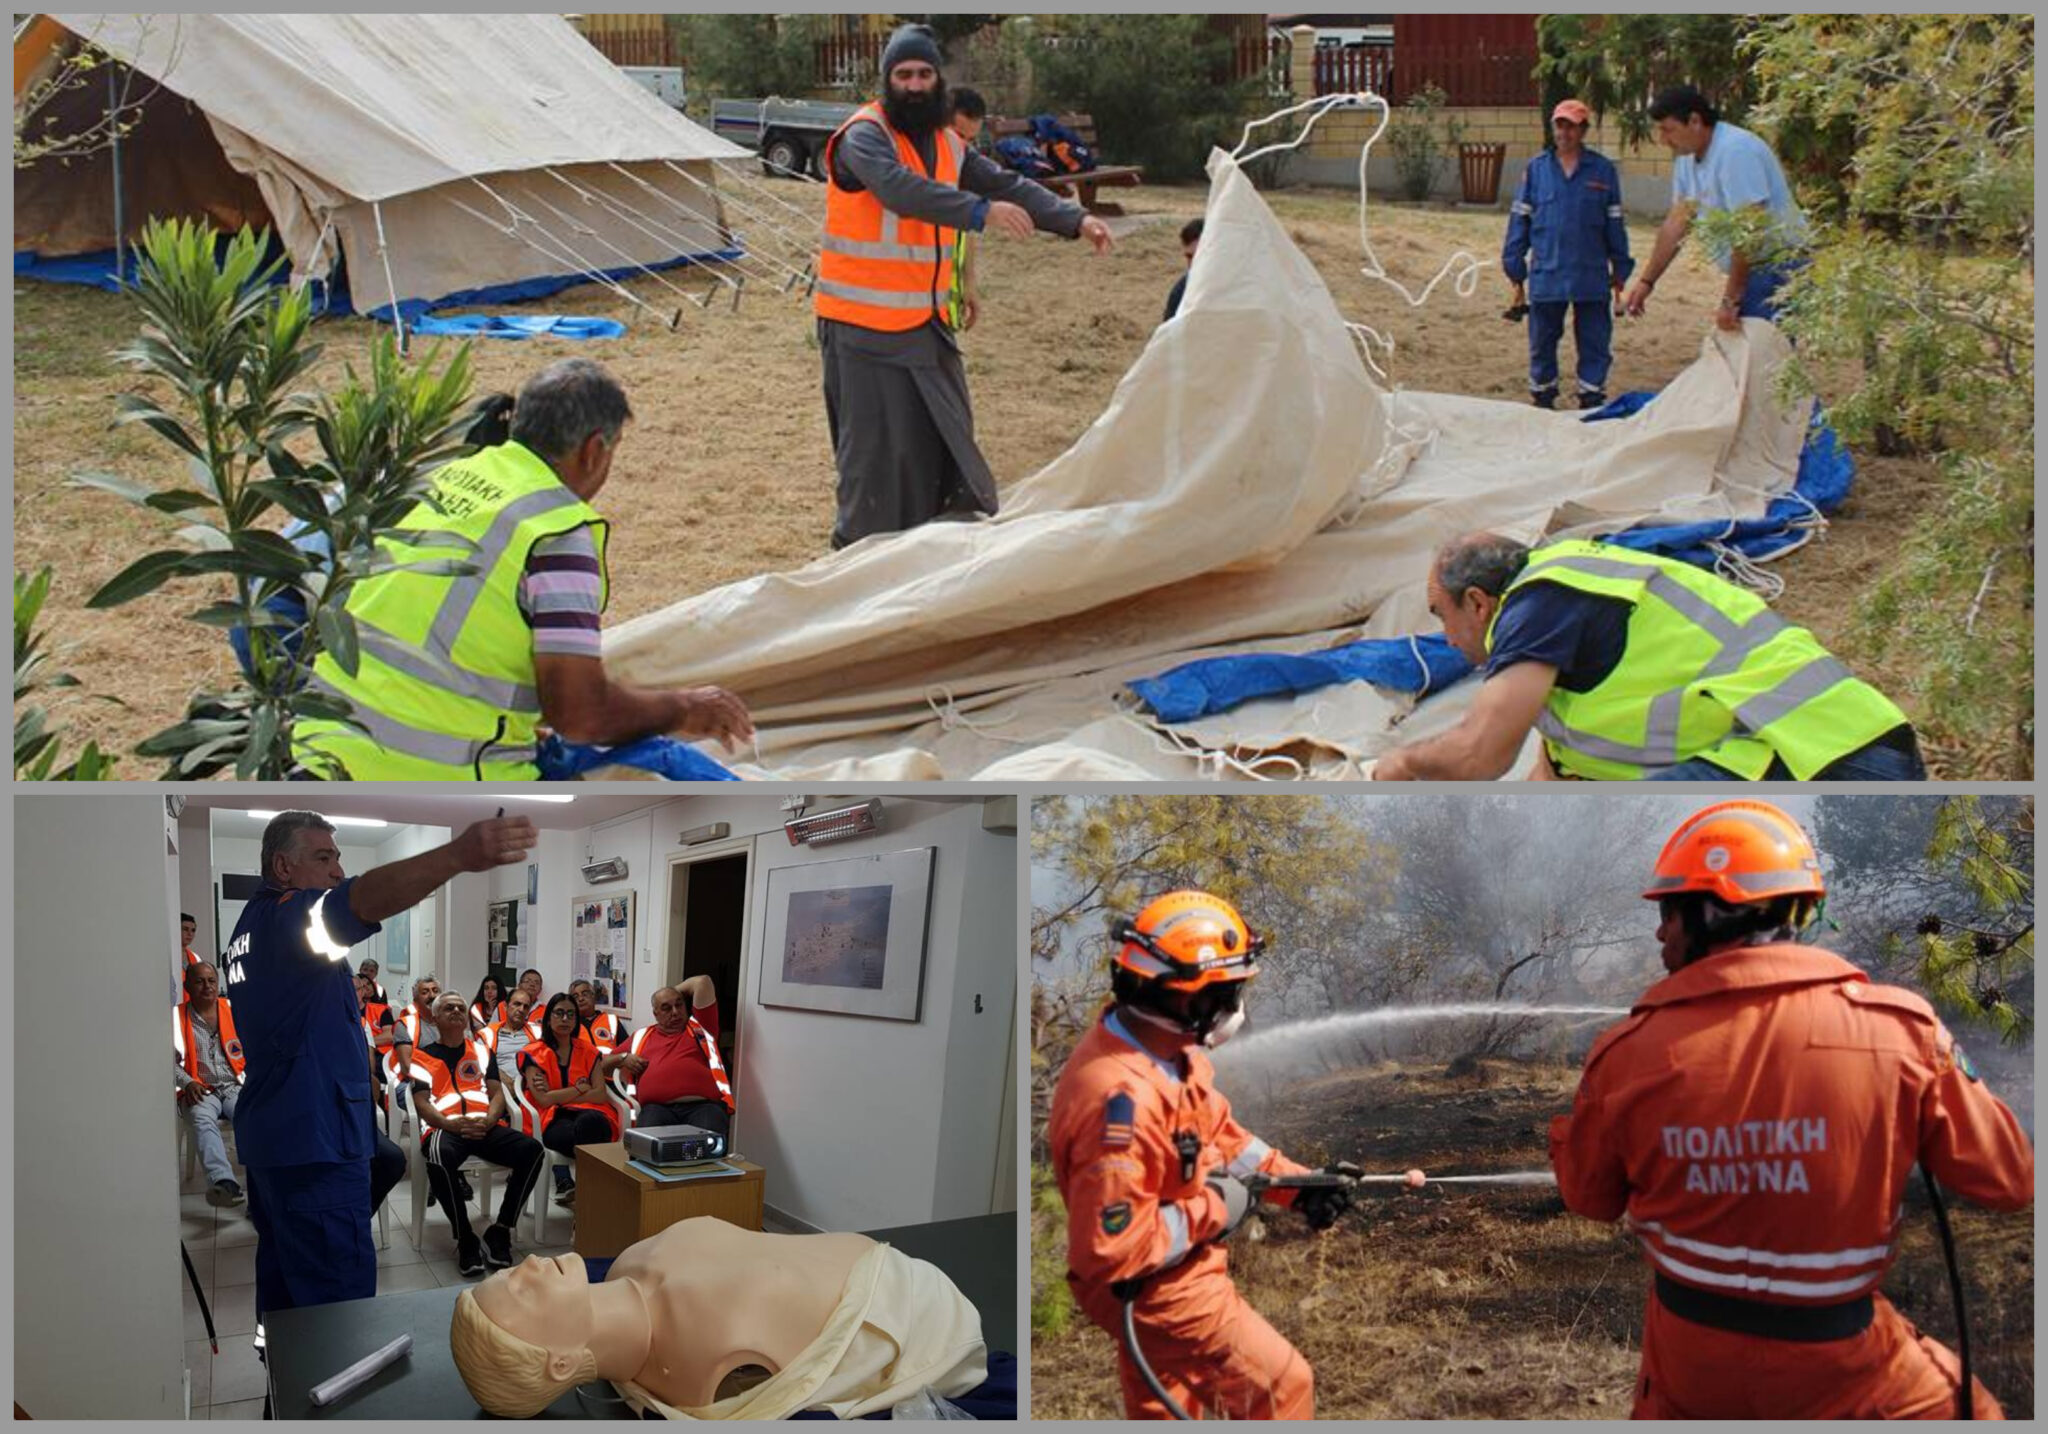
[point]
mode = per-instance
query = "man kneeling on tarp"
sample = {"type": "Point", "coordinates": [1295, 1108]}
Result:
{"type": "Point", "coordinates": [1636, 667]}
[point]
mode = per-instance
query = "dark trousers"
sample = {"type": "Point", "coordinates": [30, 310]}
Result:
{"type": "Point", "coordinates": [1592, 334]}
{"type": "Point", "coordinates": [445, 1151]}
{"type": "Point", "coordinates": [573, 1126]}
{"type": "Point", "coordinates": [312, 1234]}
{"type": "Point", "coordinates": [704, 1114]}
{"type": "Point", "coordinates": [387, 1168]}
{"type": "Point", "coordinates": [1895, 757]}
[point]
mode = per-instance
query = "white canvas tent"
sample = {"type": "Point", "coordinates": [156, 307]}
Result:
{"type": "Point", "coordinates": [438, 154]}
{"type": "Point", "coordinates": [1250, 487]}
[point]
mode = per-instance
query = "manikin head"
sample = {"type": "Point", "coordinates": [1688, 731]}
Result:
{"type": "Point", "coordinates": [202, 983]}
{"type": "Point", "coordinates": [1465, 586]}
{"type": "Point", "coordinates": [572, 414]}
{"type": "Point", "coordinates": [522, 1337]}
{"type": "Point", "coordinates": [299, 853]}
{"type": "Point", "coordinates": [586, 999]}
{"type": "Point", "coordinates": [671, 1011]}
{"type": "Point", "coordinates": [1684, 119]}
{"type": "Point", "coordinates": [187, 929]}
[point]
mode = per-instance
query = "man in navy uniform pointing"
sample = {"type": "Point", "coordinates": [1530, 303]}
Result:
{"type": "Point", "coordinates": [303, 1127]}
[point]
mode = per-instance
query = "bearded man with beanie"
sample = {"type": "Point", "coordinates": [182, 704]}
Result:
{"type": "Point", "coordinates": [900, 185]}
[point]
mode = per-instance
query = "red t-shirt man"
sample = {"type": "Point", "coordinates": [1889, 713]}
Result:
{"type": "Point", "coordinates": [679, 1078]}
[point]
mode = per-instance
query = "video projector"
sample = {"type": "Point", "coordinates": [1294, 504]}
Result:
{"type": "Point", "coordinates": [674, 1144]}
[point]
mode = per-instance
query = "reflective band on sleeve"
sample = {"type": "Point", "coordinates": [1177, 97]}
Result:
{"type": "Point", "coordinates": [1250, 1158]}
{"type": "Point", "coordinates": [317, 935]}
{"type": "Point", "coordinates": [1176, 1222]}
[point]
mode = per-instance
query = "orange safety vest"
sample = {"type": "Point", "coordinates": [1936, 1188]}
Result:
{"type": "Point", "coordinates": [373, 1019]}
{"type": "Point", "coordinates": [188, 1049]}
{"type": "Point", "coordinates": [878, 269]}
{"type": "Point", "coordinates": [604, 1032]}
{"type": "Point", "coordinates": [710, 1049]}
{"type": "Point", "coordinates": [191, 957]}
{"type": "Point", "coordinates": [582, 1056]}
{"type": "Point", "coordinates": [460, 1091]}
{"type": "Point", "coordinates": [409, 1022]}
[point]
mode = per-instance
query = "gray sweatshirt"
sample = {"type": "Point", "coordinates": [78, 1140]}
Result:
{"type": "Point", "coordinates": [865, 159]}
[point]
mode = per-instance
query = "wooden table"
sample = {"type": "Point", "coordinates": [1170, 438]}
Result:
{"type": "Point", "coordinates": [617, 1206]}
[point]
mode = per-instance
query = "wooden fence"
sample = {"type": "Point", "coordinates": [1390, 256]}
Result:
{"type": "Point", "coordinates": [1469, 75]}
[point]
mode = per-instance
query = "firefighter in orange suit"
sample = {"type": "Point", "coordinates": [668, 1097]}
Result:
{"type": "Point", "coordinates": [900, 185]}
{"type": "Point", "coordinates": [1754, 1122]}
{"type": "Point", "coordinates": [1153, 1171]}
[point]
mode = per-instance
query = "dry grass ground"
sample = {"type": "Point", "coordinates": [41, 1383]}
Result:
{"type": "Point", "coordinates": [1486, 1302]}
{"type": "Point", "coordinates": [727, 472]}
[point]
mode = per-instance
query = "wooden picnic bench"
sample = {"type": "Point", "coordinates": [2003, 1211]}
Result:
{"type": "Point", "coordinates": [1084, 184]}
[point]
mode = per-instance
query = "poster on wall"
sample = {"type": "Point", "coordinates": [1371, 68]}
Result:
{"type": "Point", "coordinates": [848, 936]}
{"type": "Point", "coordinates": [601, 946]}
{"type": "Point", "coordinates": [397, 944]}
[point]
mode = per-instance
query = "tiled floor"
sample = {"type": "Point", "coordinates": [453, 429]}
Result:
{"type": "Point", "coordinates": [222, 1244]}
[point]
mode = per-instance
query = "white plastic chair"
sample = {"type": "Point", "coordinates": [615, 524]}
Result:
{"type": "Point", "coordinates": [416, 1173]}
{"type": "Point", "coordinates": [543, 1187]}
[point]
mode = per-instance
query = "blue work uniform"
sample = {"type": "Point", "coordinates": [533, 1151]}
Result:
{"type": "Point", "coordinates": [303, 1127]}
{"type": "Point", "coordinates": [1568, 243]}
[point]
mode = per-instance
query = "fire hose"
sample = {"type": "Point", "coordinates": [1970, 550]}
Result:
{"type": "Point", "coordinates": [1257, 1185]}
{"type": "Point", "coordinates": [1966, 1398]}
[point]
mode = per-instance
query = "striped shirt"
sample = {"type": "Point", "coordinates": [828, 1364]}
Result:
{"type": "Point", "coordinates": [561, 595]}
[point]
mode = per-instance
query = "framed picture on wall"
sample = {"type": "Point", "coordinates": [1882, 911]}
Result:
{"type": "Point", "coordinates": [848, 936]}
{"type": "Point", "coordinates": [397, 944]}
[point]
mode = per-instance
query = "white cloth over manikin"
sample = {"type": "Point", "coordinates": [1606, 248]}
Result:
{"type": "Point", "coordinates": [900, 1326]}
{"type": "Point", "coordinates": [1249, 488]}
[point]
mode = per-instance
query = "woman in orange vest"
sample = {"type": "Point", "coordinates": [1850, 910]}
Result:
{"type": "Point", "coordinates": [900, 183]}
{"type": "Point", "coordinates": [1755, 1123]}
{"type": "Point", "coordinates": [489, 1005]}
{"type": "Point", "coordinates": [565, 1082]}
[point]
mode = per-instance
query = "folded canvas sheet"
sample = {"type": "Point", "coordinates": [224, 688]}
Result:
{"type": "Point", "coordinates": [1250, 487]}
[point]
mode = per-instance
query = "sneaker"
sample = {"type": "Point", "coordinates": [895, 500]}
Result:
{"type": "Point", "coordinates": [1590, 399]}
{"type": "Point", "coordinates": [498, 1247]}
{"type": "Point", "coordinates": [1544, 397]}
{"type": "Point", "coordinates": [566, 1195]}
{"type": "Point", "coordinates": [469, 1255]}
{"type": "Point", "coordinates": [224, 1192]}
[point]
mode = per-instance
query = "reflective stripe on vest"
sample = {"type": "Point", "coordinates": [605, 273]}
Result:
{"type": "Point", "coordinates": [705, 1044]}
{"type": "Point", "coordinates": [446, 687]}
{"type": "Point", "coordinates": [460, 1091]}
{"type": "Point", "coordinates": [876, 269]}
{"type": "Point", "coordinates": [188, 1049]}
{"type": "Point", "coordinates": [1708, 670]}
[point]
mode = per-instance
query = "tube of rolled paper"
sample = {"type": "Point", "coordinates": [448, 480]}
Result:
{"type": "Point", "coordinates": [359, 1373]}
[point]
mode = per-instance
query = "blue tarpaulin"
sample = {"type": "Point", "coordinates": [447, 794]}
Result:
{"type": "Point", "coordinates": [663, 756]}
{"type": "Point", "coordinates": [1428, 663]}
{"type": "Point", "coordinates": [517, 326]}
{"type": "Point", "coordinates": [97, 270]}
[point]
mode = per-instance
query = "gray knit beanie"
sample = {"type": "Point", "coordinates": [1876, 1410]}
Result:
{"type": "Point", "coordinates": [910, 42]}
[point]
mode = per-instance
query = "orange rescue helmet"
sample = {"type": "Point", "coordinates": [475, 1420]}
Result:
{"type": "Point", "coordinates": [1740, 852]}
{"type": "Point", "coordinates": [1186, 940]}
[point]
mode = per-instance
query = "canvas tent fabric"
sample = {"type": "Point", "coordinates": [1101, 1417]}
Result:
{"type": "Point", "coordinates": [323, 125]}
{"type": "Point", "coordinates": [1250, 488]}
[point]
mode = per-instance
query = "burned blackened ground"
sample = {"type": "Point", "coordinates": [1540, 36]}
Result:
{"type": "Point", "coordinates": [1483, 1301]}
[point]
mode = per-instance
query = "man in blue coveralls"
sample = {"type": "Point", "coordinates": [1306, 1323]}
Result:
{"type": "Point", "coordinates": [1567, 243]}
{"type": "Point", "coordinates": [303, 1126]}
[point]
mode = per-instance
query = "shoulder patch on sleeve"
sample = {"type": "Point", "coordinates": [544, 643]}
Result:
{"type": "Point", "coordinates": [1119, 1116]}
{"type": "Point", "coordinates": [1116, 1218]}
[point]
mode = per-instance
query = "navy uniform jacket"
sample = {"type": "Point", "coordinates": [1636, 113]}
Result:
{"type": "Point", "coordinates": [1566, 238]}
{"type": "Point", "coordinates": [306, 1090]}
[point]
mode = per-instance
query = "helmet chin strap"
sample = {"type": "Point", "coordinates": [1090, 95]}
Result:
{"type": "Point", "coordinates": [1229, 1026]}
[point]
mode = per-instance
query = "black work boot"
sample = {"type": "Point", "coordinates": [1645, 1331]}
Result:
{"type": "Point", "coordinates": [1544, 397]}
{"type": "Point", "coordinates": [1591, 398]}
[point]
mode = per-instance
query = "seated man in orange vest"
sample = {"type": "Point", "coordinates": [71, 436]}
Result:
{"type": "Point", "coordinates": [462, 1107]}
{"type": "Point", "coordinates": [606, 1031]}
{"type": "Point", "coordinates": [674, 1065]}
{"type": "Point", "coordinates": [900, 185]}
{"type": "Point", "coordinates": [208, 1061]}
